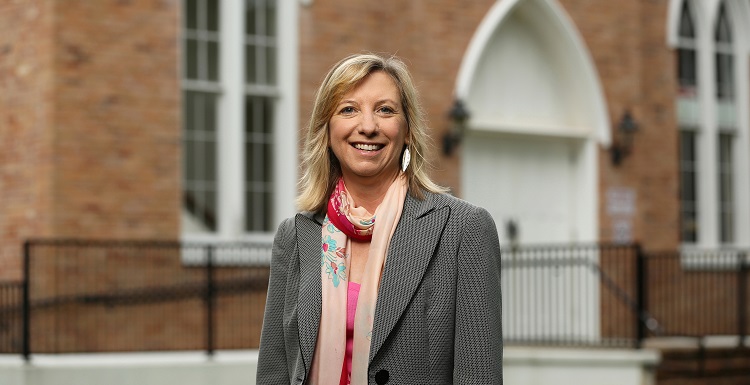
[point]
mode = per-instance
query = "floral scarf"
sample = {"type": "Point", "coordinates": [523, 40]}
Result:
{"type": "Point", "coordinates": [343, 223]}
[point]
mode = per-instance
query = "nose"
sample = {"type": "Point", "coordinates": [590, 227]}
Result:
{"type": "Point", "coordinates": [368, 125]}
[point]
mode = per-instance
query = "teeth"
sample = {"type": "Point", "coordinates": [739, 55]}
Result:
{"type": "Point", "coordinates": [367, 147]}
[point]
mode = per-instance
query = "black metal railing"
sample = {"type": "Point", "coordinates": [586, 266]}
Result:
{"type": "Point", "coordinates": [698, 293]}
{"type": "Point", "coordinates": [11, 322]}
{"type": "Point", "coordinates": [100, 296]}
{"type": "Point", "coordinates": [571, 295]}
{"type": "Point", "coordinates": [117, 296]}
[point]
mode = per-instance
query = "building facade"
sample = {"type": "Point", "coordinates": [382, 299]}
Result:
{"type": "Point", "coordinates": [571, 121]}
{"type": "Point", "coordinates": [588, 121]}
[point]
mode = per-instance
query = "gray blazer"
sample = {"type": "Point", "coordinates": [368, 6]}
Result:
{"type": "Point", "coordinates": [438, 313]}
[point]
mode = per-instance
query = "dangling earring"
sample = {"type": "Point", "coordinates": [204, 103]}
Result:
{"type": "Point", "coordinates": [405, 159]}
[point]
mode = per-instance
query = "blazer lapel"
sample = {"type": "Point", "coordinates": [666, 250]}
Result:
{"type": "Point", "coordinates": [410, 251]}
{"type": "Point", "coordinates": [309, 298]}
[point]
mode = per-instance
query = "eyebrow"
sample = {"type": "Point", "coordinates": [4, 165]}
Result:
{"type": "Point", "coordinates": [380, 101]}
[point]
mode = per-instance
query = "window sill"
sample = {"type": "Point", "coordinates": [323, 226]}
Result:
{"type": "Point", "coordinates": [242, 251]}
{"type": "Point", "coordinates": [721, 258]}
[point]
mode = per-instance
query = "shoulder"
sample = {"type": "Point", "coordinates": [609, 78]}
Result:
{"type": "Point", "coordinates": [464, 216]}
{"type": "Point", "coordinates": [299, 225]}
{"type": "Point", "coordinates": [285, 239]}
{"type": "Point", "coordinates": [285, 230]}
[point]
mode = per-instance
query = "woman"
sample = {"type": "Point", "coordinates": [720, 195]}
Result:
{"type": "Point", "coordinates": [406, 286]}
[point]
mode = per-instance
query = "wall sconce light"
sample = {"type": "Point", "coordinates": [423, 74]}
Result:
{"type": "Point", "coordinates": [458, 115]}
{"type": "Point", "coordinates": [622, 143]}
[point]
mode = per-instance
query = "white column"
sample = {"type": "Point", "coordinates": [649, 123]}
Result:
{"type": "Point", "coordinates": [287, 110]}
{"type": "Point", "coordinates": [741, 34]}
{"type": "Point", "coordinates": [707, 183]}
{"type": "Point", "coordinates": [231, 133]}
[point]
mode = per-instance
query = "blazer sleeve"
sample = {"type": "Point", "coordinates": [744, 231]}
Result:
{"type": "Point", "coordinates": [272, 365]}
{"type": "Point", "coordinates": [478, 344]}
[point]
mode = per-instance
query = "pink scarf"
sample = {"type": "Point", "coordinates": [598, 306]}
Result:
{"type": "Point", "coordinates": [344, 222]}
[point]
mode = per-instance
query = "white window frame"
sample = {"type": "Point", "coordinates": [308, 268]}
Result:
{"type": "Point", "coordinates": [231, 125]}
{"type": "Point", "coordinates": [706, 13]}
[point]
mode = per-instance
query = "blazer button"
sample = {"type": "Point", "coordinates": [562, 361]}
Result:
{"type": "Point", "coordinates": [381, 377]}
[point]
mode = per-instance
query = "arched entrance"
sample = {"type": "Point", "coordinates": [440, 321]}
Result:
{"type": "Point", "coordinates": [537, 115]}
{"type": "Point", "coordinates": [530, 157]}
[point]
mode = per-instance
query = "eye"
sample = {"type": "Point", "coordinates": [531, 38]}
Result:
{"type": "Point", "coordinates": [347, 110]}
{"type": "Point", "coordinates": [386, 110]}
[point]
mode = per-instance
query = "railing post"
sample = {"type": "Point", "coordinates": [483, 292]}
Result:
{"type": "Point", "coordinates": [26, 306]}
{"type": "Point", "coordinates": [742, 270]}
{"type": "Point", "coordinates": [641, 287]}
{"type": "Point", "coordinates": [210, 301]}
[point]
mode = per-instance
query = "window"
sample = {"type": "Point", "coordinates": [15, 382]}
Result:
{"type": "Point", "coordinates": [688, 117]}
{"type": "Point", "coordinates": [714, 140]}
{"type": "Point", "coordinates": [234, 84]}
{"type": "Point", "coordinates": [260, 79]}
{"type": "Point", "coordinates": [726, 118]}
{"type": "Point", "coordinates": [201, 90]}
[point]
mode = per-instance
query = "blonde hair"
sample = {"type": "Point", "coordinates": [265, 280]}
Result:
{"type": "Point", "coordinates": [322, 168]}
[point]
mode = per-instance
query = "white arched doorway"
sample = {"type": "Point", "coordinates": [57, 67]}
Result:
{"type": "Point", "coordinates": [537, 115]}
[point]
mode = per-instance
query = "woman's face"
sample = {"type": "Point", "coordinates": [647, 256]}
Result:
{"type": "Point", "coordinates": [368, 130]}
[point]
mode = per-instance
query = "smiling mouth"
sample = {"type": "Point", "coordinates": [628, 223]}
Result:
{"type": "Point", "coordinates": [368, 147]}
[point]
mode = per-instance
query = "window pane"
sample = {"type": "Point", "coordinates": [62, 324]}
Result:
{"type": "Point", "coordinates": [189, 172]}
{"type": "Point", "coordinates": [271, 65]}
{"type": "Point", "coordinates": [191, 59]}
{"type": "Point", "coordinates": [688, 190]}
{"type": "Point", "coordinates": [268, 211]}
{"type": "Point", "coordinates": [252, 116]}
{"type": "Point", "coordinates": [187, 112]}
{"type": "Point", "coordinates": [686, 69]}
{"type": "Point", "coordinates": [268, 164]}
{"type": "Point", "coordinates": [724, 77]}
{"type": "Point", "coordinates": [249, 212]}
{"type": "Point", "coordinates": [191, 14]}
{"type": "Point", "coordinates": [270, 18]}
{"type": "Point", "coordinates": [250, 16]}
{"type": "Point", "coordinates": [251, 68]}
{"type": "Point", "coordinates": [268, 119]}
{"type": "Point", "coordinates": [726, 195]}
{"type": "Point", "coordinates": [213, 61]}
{"type": "Point", "coordinates": [686, 21]}
{"type": "Point", "coordinates": [258, 162]}
{"type": "Point", "coordinates": [212, 15]}
{"type": "Point", "coordinates": [723, 28]}
{"type": "Point", "coordinates": [209, 149]}
{"type": "Point", "coordinates": [252, 214]}
{"type": "Point", "coordinates": [209, 213]}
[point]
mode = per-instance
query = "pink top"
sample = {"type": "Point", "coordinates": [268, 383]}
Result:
{"type": "Point", "coordinates": [351, 309]}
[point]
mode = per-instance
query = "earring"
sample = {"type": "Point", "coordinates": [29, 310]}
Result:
{"type": "Point", "coordinates": [405, 159]}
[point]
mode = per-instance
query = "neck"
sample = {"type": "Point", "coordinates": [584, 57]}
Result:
{"type": "Point", "coordinates": [368, 192]}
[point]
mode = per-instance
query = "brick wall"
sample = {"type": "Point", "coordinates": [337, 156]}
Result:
{"type": "Point", "coordinates": [90, 112]}
{"type": "Point", "coordinates": [26, 113]}
{"type": "Point", "coordinates": [628, 44]}
{"type": "Point", "coordinates": [117, 119]}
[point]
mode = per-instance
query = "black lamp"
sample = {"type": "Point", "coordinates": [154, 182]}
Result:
{"type": "Point", "coordinates": [622, 144]}
{"type": "Point", "coordinates": [458, 114]}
